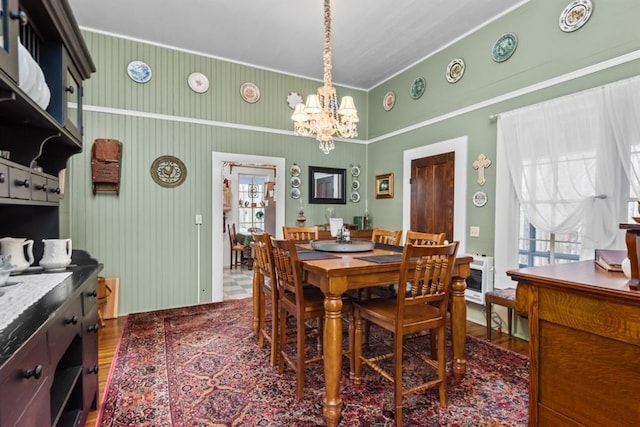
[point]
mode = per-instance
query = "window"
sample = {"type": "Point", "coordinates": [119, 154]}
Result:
{"type": "Point", "coordinates": [251, 212]}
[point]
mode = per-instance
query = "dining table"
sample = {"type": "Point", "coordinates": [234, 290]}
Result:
{"type": "Point", "coordinates": [336, 273]}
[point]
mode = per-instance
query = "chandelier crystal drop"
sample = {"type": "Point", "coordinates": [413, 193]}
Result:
{"type": "Point", "coordinates": [321, 115]}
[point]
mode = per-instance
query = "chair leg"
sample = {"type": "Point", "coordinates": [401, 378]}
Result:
{"type": "Point", "coordinates": [397, 381]}
{"type": "Point", "coordinates": [283, 337]}
{"type": "Point", "coordinates": [488, 313]}
{"type": "Point", "coordinates": [301, 329]}
{"type": "Point", "coordinates": [274, 332]}
{"type": "Point", "coordinates": [357, 351]}
{"type": "Point", "coordinates": [510, 321]}
{"type": "Point", "coordinates": [442, 367]}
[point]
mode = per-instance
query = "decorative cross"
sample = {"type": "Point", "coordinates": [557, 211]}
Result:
{"type": "Point", "coordinates": [481, 164]}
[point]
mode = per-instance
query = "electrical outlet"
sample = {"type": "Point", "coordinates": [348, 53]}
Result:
{"type": "Point", "coordinates": [198, 219]}
{"type": "Point", "coordinates": [474, 231]}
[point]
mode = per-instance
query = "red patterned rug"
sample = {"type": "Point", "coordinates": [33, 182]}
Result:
{"type": "Point", "coordinates": [200, 366]}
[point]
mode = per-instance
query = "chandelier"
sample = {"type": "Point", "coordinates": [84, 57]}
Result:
{"type": "Point", "coordinates": [321, 115]}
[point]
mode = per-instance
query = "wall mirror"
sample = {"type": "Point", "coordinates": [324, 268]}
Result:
{"type": "Point", "coordinates": [327, 185]}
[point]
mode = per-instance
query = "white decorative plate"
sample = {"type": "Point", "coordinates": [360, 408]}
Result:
{"type": "Point", "coordinates": [504, 47]}
{"type": "Point", "coordinates": [575, 15]}
{"type": "Point", "coordinates": [250, 92]}
{"type": "Point", "coordinates": [295, 170]}
{"type": "Point", "coordinates": [295, 193]}
{"type": "Point", "coordinates": [295, 181]}
{"type": "Point", "coordinates": [355, 184]}
{"type": "Point", "coordinates": [355, 171]}
{"type": "Point", "coordinates": [139, 71]}
{"type": "Point", "coordinates": [355, 197]}
{"type": "Point", "coordinates": [480, 198]}
{"type": "Point", "coordinates": [455, 70]}
{"type": "Point", "coordinates": [417, 87]}
{"type": "Point", "coordinates": [389, 101]}
{"type": "Point", "coordinates": [198, 82]}
{"type": "Point", "coordinates": [293, 99]}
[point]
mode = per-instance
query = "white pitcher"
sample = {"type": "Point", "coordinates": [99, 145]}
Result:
{"type": "Point", "coordinates": [16, 248]}
{"type": "Point", "coordinates": [57, 254]}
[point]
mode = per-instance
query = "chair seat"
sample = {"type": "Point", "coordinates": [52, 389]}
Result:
{"type": "Point", "coordinates": [384, 311]}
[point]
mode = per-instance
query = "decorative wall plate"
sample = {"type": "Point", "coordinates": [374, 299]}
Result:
{"type": "Point", "coordinates": [295, 170]}
{"type": "Point", "coordinates": [389, 101]}
{"type": "Point", "coordinates": [575, 15]}
{"type": "Point", "coordinates": [417, 87]}
{"type": "Point", "coordinates": [198, 82]}
{"type": "Point", "coordinates": [168, 171]}
{"type": "Point", "coordinates": [295, 193]}
{"type": "Point", "coordinates": [504, 47]}
{"type": "Point", "coordinates": [139, 71]}
{"type": "Point", "coordinates": [355, 197]}
{"type": "Point", "coordinates": [250, 92]}
{"type": "Point", "coordinates": [295, 181]}
{"type": "Point", "coordinates": [455, 70]}
{"type": "Point", "coordinates": [355, 184]}
{"type": "Point", "coordinates": [293, 99]}
{"type": "Point", "coordinates": [355, 171]}
{"type": "Point", "coordinates": [480, 198]}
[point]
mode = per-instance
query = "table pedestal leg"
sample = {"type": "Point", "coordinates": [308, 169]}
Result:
{"type": "Point", "coordinates": [332, 358]}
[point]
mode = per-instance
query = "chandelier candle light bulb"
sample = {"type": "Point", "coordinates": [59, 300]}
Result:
{"type": "Point", "coordinates": [321, 115]}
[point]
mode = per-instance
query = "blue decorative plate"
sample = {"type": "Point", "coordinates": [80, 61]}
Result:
{"type": "Point", "coordinates": [139, 71]}
{"type": "Point", "coordinates": [417, 87]}
{"type": "Point", "coordinates": [504, 47]}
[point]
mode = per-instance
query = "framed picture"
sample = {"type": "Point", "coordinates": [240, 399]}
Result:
{"type": "Point", "coordinates": [384, 186]}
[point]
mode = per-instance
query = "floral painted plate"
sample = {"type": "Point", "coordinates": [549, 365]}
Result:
{"type": "Point", "coordinates": [504, 47]}
{"type": "Point", "coordinates": [575, 15]}
{"type": "Point", "coordinates": [295, 193]}
{"type": "Point", "coordinates": [355, 197]}
{"type": "Point", "coordinates": [455, 70]}
{"type": "Point", "coordinates": [295, 182]}
{"type": "Point", "coordinates": [295, 170]}
{"type": "Point", "coordinates": [250, 93]}
{"type": "Point", "coordinates": [198, 82]}
{"type": "Point", "coordinates": [139, 71]}
{"type": "Point", "coordinates": [417, 87]}
{"type": "Point", "coordinates": [389, 101]}
{"type": "Point", "coordinates": [355, 171]}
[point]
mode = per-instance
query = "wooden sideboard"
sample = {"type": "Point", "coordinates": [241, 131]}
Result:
{"type": "Point", "coordinates": [49, 356]}
{"type": "Point", "coordinates": [584, 345]}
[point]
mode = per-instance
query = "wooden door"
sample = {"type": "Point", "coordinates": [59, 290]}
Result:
{"type": "Point", "coordinates": [432, 194]}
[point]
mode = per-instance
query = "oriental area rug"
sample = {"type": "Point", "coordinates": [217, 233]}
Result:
{"type": "Point", "coordinates": [201, 366]}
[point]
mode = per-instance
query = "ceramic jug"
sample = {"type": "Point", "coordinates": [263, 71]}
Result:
{"type": "Point", "coordinates": [57, 254]}
{"type": "Point", "coordinates": [17, 248]}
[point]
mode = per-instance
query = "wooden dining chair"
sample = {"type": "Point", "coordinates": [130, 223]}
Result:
{"type": "Point", "coordinates": [300, 233]}
{"type": "Point", "coordinates": [264, 282]}
{"type": "Point", "coordinates": [421, 305]}
{"type": "Point", "coordinates": [237, 249]}
{"type": "Point", "coordinates": [422, 238]}
{"type": "Point", "coordinates": [303, 303]}
{"type": "Point", "coordinates": [386, 237]}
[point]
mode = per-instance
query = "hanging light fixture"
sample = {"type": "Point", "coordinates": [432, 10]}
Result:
{"type": "Point", "coordinates": [320, 115]}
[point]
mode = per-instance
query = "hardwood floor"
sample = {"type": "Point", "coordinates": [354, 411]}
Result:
{"type": "Point", "coordinates": [110, 334]}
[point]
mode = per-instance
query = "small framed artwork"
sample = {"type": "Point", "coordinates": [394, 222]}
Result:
{"type": "Point", "coordinates": [384, 186]}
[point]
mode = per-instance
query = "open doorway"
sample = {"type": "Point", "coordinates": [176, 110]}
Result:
{"type": "Point", "coordinates": [218, 237]}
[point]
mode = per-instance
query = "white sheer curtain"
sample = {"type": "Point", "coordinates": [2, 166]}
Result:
{"type": "Point", "coordinates": [622, 105]}
{"type": "Point", "coordinates": [564, 166]}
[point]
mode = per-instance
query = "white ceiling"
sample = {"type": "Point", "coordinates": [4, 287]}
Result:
{"type": "Point", "coordinates": [372, 39]}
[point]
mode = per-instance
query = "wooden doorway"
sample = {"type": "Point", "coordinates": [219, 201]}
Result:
{"type": "Point", "coordinates": [432, 194]}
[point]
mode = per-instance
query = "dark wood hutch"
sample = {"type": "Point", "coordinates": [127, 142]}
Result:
{"type": "Point", "coordinates": [48, 354]}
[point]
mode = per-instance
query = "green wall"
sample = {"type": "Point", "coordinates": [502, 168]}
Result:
{"type": "Point", "coordinates": [146, 237]}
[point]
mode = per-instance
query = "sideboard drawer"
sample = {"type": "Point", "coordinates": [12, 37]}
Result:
{"type": "Point", "coordinates": [19, 184]}
{"type": "Point", "coordinates": [64, 328]}
{"type": "Point", "coordinates": [38, 187]}
{"type": "Point", "coordinates": [4, 180]}
{"type": "Point", "coordinates": [22, 376]}
{"type": "Point", "coordinates": [53, 190]}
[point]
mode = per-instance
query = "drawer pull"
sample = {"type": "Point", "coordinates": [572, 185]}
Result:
{"type": "Point", "coordinates": [93, 328]}
{"type": "Point", "coordinates": [22, 183]}
{"type": "Point", "coordinates": [21, 16]}
{"type": "Point", "coordinates": [92, 294]}
{"type": "Point", "coordinates": [2, 178]}
{"type": "Point", "coordinates": [35, 372]}
{"type": "Point", "coordinates": [42, 187]}
{"type": "Point", "coordinates": [55, 190]}
{"type": "Point", "coordinates": [69, 89]}
{"type": "Point", "coordinates": [72, 321]}
{"type": "Point", "coordinates": [93, 369]}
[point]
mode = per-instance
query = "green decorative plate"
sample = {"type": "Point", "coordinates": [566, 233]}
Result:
{"type": "Point", "coordinates": [417, 87]}
{"type": "Point", "coordinates": [504, 47]}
